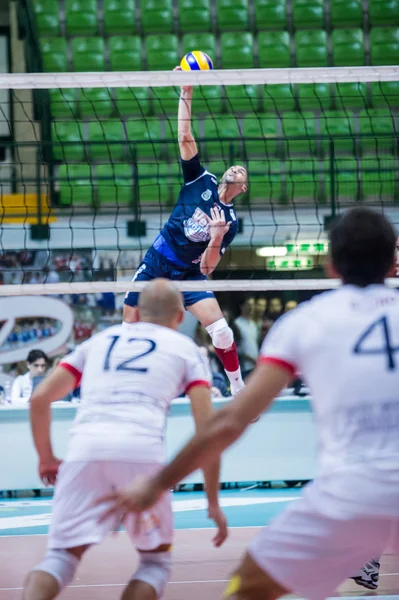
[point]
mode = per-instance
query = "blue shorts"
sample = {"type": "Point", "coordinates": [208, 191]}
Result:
{"type": "Point", "coordinates": [155, 265]}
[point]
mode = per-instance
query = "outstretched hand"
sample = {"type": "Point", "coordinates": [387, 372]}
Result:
{"type": "Point", "coordinates": [184, 88]}
{"type": "Point", "coordinates": [217, 225]}
{"type": "Point", "coordinates": [217, 515]}
{"type": "Point", "coordinates": [136, 498]}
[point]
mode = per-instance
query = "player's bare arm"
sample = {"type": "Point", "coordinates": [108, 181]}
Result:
{"type": "Point", "coordinates": [217, 230]}
{"type": "Point", "coordinates": [187, 145]}
{"type": "Point", "coordinates": [202, 409]}
{"type": "Point", "coordinates": [222, 430]}
{"type": "Point", "coordinates": [57, 385]}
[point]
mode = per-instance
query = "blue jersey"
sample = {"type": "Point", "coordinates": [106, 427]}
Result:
{"type": "Point", "coordinates": [187, 230]}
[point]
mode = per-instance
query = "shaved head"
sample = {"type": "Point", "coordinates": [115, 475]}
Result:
{"type": "Point", "coordinates": [161, 302]}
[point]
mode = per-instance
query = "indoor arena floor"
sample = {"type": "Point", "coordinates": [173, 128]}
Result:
{"type": "Point", "coordinates": [200, 571]}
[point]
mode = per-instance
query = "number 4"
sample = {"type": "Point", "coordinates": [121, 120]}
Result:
{"type": "Point", "coordinates": [387, 348]}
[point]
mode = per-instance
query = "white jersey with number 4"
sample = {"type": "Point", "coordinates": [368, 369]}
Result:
{"type": "Point", "coordinates": [129, 374]}
{"type": "Point", "coordinates": [345, 344]}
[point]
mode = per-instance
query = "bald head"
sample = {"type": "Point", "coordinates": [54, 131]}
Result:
{"type": "Point", "coordinates": [161, 302]}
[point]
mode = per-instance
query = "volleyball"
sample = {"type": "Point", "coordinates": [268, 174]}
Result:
{"type": "Point", "coordinates": [196, 61]}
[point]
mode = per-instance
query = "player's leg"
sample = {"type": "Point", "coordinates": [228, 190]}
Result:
{"type": "Point", "coordinates": [144, 272]}
{"type": "Point", "coordinates": [53, 574]}
{"type": "Point", "coordinates": [152, 574]}
{"type": "Point", "coordinates": [74, 527]}
{"type": "Point", "coordinates": [250, 582]}
{"type": "Point", "coordinates": [307, 552]}
{"type": "Point", "coordinates": [152, 534]}
{"type": "Point", "coordinates": [368, 576]}
{"type": "Point", "coordinates": [205, 307]}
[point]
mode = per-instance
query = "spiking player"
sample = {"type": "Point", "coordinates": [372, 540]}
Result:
{"type": "Point", "coordinates": [119, 435]}
{"type": "Point", "coordinates": [193, 240]}
{"type": "Point", "coordinates": [346, 344]}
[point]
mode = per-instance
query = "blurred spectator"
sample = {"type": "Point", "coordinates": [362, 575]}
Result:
{"type": "Point", "coordinates": [248, 346]}
{"type": "Point", "coordinates": [50, 275]}
{"type": "Point", "coordinates": [290, 305]}
{"type": "Point", "coordinates": [259, 314]}
{"type": "Point", "coordinates": [22, 387]}
{"type": "Point", "coordinates": [275, 308]}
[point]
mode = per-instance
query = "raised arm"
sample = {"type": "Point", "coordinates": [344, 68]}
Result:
{"type": "Point", "coordinates": [187, 145]}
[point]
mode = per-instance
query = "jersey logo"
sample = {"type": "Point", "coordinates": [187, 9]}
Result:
{"type": "Point", "coordinates": [233, 215]}
{"type": "Point", "coordinates": [196, 228]}
{"type": "Point", "coordinates": [207, 195]}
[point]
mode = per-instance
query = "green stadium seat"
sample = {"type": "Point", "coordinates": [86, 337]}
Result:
{"type": "Point", "coordinates": [311, 48]}
{"type": "Point", "coordinates": [379, 178]}
{"type": "Point", "coordinates": [144, 137]}
{"type": "Point", "coordinates": [119, 17]}
{"type": "Point", "coordinates": [384, 44]}
{"type": "Point", "coordinates": [102, 136]}
{"type": "Point", "coordinates": [308, 13]}
{"type": "Point", "coordinates": [274, 49]}
{"type": "Point", "coordinates": [270, 14]}
{"type": "Point", "coordinates": [350, 95]}
{"type": "Point", "coordinates": [227, 132]}
{"type": "Point", "coordinates": [231, 59]}
{"type": "Point", "coordinates": [114, 184]}
{"type": "Point", "coordinates": [278, 97]}
{"type": "Point", "coordinates": [200, 41]}
{"type": "Point", "coordinates": [339, 126]}
{"type": "Point", "coordinates": [241, 98]}
{"type": "Point", "coordinates": [347, 180]}
{"type": "Point", "coordinates": [379, 125]}
{"type": "Point", "coordinates": [208, 99]}
{"type": "Point", "coordinates": [384, 12]}
{"type": "Point", "coordinates": [232, 15]}
{"type": "Point", "coordinates": [132, 101]}
{"type": "Point", "coordinates": [385, 94]}
{"type": "Point", "coordinates": [346, 13]}
{"type": "Point", "coordinates": [63, 103]}
{"type": "Point", "coordinates": [125, 53]}
{"type": "Point", "coordinates": [165, 100]}
{"type": "Point", "coordinates": [88, 54]}
{"type": "Point", "coordinates": [156, 16]}
{"type": "Point", "coordinates": [195, 15]}
{"type": "Point", "coordinates": [153, 184]}
{"type": "Point", "coordinates": [67, 138]}
{"type": "Point", "coordinates": [162, 52]}
{"type": "Point", "coordinates": [313, 96]}
{"type": "Point", "coordinates": [47, 17]}
{"type": "Point", "coordinates": [348, 47]}
{"type": "Point", "coordinates": [303, 180]}
{"type": "Point", "coordinates": [299, 125]}
{"type": "Point", "coordinates": [95, 102]}
{"type": "Point", "coordinates": [263, 128]}
{"type": "Point", "coordinates": [265, 180]}
{"type": "Point", "coordinates": [76, 187]}
{"type": "Point", "coordinates": [54, 54]}
{"type": "Point", "coordinates": [81, 17]}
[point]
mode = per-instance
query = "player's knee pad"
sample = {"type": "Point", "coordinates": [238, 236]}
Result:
{"type": "Point", "coordinates": [154, 569]}
{"type": "Point", "coordinates": [221, 334]}
{"type": "Point", "coordinates": [61, 564]}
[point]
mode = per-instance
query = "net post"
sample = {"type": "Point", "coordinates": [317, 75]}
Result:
{"type": "Point", "coordinates": [332, 180]}
{"type": "Point", "coordinates": [38, 188]}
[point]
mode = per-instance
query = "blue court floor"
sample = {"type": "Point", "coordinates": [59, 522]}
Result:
{"type": "Point", "coordinates": [244, 508]}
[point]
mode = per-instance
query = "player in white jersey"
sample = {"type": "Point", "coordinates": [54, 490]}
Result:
{"type": "Point", "coordinates": [346, 345]}
{"type": "Point", "coordinates": [128, 374]}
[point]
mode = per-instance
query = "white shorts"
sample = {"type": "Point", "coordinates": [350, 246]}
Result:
{"type": "Point", "coordinates": [75, 516]}
{"type": "Point", "coordinates": [311, 554]}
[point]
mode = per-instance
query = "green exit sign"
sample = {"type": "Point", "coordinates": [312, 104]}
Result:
{"type": "Point", "coordinates": [289, 264]}
{"type": "Point", "coordinates": [309, 248]}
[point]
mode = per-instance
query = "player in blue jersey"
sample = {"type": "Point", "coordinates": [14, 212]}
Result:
{"type": "Point", "coordinates": [193, 240]}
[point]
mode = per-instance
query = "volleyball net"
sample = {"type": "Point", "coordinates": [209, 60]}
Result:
{"type": "Point", "coordinates": [92, 170]}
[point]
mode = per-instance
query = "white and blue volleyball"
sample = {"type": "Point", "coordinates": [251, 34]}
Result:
{"type": "Point", "coordinates": [196, 61]}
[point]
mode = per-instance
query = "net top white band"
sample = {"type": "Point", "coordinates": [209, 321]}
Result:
{"type": "Point", "coordinates": [119, 287]}
{"type": "Point", "coordinates": [25, 81]}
